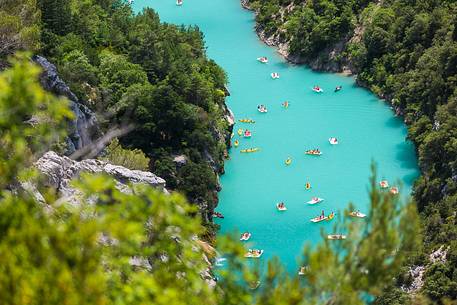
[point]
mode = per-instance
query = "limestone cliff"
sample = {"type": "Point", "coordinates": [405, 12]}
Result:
{"type": "Point", "coordinates": [84, 127]}
{"type": "Point", "coordinates": [59, 171]}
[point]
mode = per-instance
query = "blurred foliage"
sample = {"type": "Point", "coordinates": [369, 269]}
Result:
{"type": "Point", "coordinates": [142, 247]}
{"type": "Point", "coordinates": [28, 117]}
{"type": "Point", "coordinates": [133, 70]}
{"type": "Point", "coordinates": [19, 27]}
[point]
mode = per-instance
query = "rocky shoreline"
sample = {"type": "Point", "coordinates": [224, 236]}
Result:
{"type": "Point", "coordinates": [317, 64]}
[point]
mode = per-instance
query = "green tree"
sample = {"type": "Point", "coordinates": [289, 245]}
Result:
{"type": "Point", "coordinates": [19, 27]}
{"type": "Point", "coordinates": [80, 75]}
{"type": "Point", "coordinates": [133, 159]}
{"type": "Point", "coordinates": [117, 74]}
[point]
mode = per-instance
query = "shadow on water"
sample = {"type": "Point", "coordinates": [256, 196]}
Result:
{"type": "Point", "coordinates": [410, 178]}
{"type": "Point", "coordinates": [406, 155]}
{"type": "Point", "coordinates": [394, 122]}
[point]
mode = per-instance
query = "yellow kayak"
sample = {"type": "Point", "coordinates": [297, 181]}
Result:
{"type": "Point", "coordinates": [250, 150]}
{"type": "Point", "coordinates": [288, 161]}
{"type": "Point", "coordinates": [236, 143]}
{"type": "Point", "coordinates": [240, 131]}
{"type": "Point", "coordinates": [308, 185]}
{"type": "Point", "coordinates": [246, 121]}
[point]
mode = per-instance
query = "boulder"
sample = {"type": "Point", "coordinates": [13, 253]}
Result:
{"type": "Point", "coordinates": [60, 170]}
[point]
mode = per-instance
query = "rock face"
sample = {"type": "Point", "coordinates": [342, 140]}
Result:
{"type": "Point", "coordinates": [328, 59]}
{"type": "Point", "coordinates": [417, 273]}
{"type": "Point", "coordinates": [83, 128]}
{"type": "Point", "coordinates": [59, 171]}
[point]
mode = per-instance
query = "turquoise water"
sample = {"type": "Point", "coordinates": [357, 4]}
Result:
{"type": "Point", "coordinates": [254, 183]}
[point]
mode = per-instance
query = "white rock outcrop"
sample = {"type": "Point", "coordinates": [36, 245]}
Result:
{"type": "Point", "coordinates": [59, 171]}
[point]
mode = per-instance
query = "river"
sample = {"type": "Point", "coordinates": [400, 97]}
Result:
{"type": "Point", "coordinates": [364, 125]}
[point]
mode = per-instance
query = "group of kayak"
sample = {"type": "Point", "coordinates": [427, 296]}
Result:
{"type": "Point", "coordinates": [318, 89]}
{"type": "Point", "coordinates": [247, 133]}
{"type": "Point", "coordinates": [275, 75]}
{"type": "Point", "coordinates": [384, 184]}
{"type": "Point", "coordinates": [257, 253]}
{"type": "Point", "coordinates": [264, 60]}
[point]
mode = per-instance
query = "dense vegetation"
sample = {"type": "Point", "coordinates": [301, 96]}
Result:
{"type": "Point", "coordinates": [133, 159]}
{"type": "Point", "coordinates": [140, 247]}
{"type": "Point", "coordinates": [132, 69]}
{"type": "Point", "coordinates": [135, 70]}
{"type": "Point", "coordinates": [406, 52]}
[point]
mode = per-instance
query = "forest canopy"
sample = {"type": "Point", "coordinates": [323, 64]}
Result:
{"type": "Point", "coordinates": [133, 70]}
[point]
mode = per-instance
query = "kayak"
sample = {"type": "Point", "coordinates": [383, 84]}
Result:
{"type": "Point", "coordinates": [384, 184]}
{"type": "Point", "coordinates": [308, 185]}
{"type": "Point", "coordinates": [333, 141]}
{"type": "Point", "coordinates": [318, 219]}
{"type": "Point", "coordinates": [262, 110]}
{"type": "Point", "coordinates": [246, 121]}
{"type": "Point", "coordinates": [240, 131]}
{"type": "Point", "coordinates": [247, 134]}
{"type": "Point", "coordinates": [303, 270]}
{"type": "Point", "coordinates": [338, 88]}
{"type": "Point", "coordinates": [336, 236]}
{"type": "Point", "coordinates": [394, 190]}
{"type": "Point", "coordinates": [178, 2]}
{"type": "Point", "coordinates": [250, 150]}
{"type": "Point", "coordinates": [253, 253]}
{"type": "Point", "coordinates": [285, 104]}
{"type": "Point", "coordinates": [318, 90]}
{"type": "Point", "coordinates": [274, 75]}
{"type": "Point", "coordinates": [357, 214]}
{"type": "Point", "coordinates": [288, 161]}
{"type": "Point", "coordinates": [315, 200]}
{"type": "Point", "coordinates": [281, 208]}
{"type": "Point", "coordinates": [313, 152]}
{"type": "Point", "coordinates": [236, 143]}
{"type": "Point", "coordinates": [245, 236]}
{"type": "Point", "coordinates": [263, 60]}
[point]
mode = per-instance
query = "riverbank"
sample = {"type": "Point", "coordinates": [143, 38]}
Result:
{"type": "Point", "coordinates": [316, 64]}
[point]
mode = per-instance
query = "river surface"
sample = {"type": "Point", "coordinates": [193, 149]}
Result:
{"type": "Point", "coordinates": [364, 125]}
